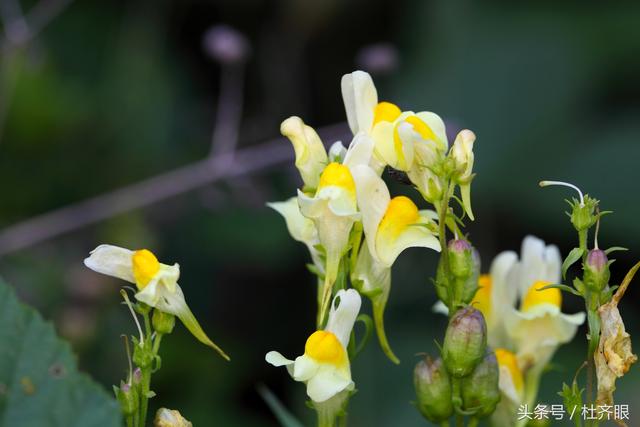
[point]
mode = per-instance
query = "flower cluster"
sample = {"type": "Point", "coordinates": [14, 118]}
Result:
{"type": "Point", "coordinates": [353, 227]}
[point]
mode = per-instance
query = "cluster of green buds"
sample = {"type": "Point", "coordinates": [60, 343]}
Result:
{"type": "Point", "coordinates": [609, 353]}
{"type": "Point", "coordinates": [464, 381]}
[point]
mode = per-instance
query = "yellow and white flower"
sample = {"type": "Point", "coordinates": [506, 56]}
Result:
{"type": "Point", "coordinates": [157, 283]}
{"type": "Point", "coordinates": [333, 208]}
{"type": "Point", "coordinates": [539, 326]}
{"type": "Point", "coordinates": [324, 367]}
{"type": "Point", "coordinates": [389, 127]}
{"type": "Point", "coordinates": [391, 225]}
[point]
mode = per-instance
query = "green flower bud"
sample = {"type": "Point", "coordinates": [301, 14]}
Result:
{"type": "Point", "coordinates": [596, 270]}
{"type": "Point", "coordinates": [480, 390]}
{"type": "Point", "coordinates": [464, 264]}
{"type": "Point", "coordinates": [460, 258]}
{"type": "Point", "coordinates": [163, 323]}
{"type": "Point", "coordinates": [465, 342]}
{"type": "Point", "coordinates": [433, 390]}
{"type": "Point", "coordinates": [127, 397]}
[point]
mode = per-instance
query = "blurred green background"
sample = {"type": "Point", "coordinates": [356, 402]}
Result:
{"type": "Point", "coordinates": [110, 93]}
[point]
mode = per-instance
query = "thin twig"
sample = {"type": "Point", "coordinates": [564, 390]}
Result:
{"type": "Point", "coordinates": [152, 190]}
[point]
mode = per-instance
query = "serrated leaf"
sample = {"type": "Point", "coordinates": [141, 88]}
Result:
{"type": "Point", "coordinates": [574, 255]}
{"type": "Point", "coordinates": [39, 376]}
{"type": "Point", "coordinates": [562, 288]}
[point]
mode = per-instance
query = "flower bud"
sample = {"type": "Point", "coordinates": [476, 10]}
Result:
{"type": "Point", "coordinates": [596, 270]}
{"type": "Point", "coordinates": [170, 418]}
{"type": "Point", "coordinates": [127, 397]}
{"type": "Point", "coordinates": [163, 323]}
{"type": "Point", "coordinates": [464, 264]}
{"type": "Point", "coordinates": [433, 389]}
{"type": "Point", "coordinates": [480, 390]}
{"type": "Point", "coordinates": [137, 376]}
{"type": "Point", "coordinates": [465, 342]}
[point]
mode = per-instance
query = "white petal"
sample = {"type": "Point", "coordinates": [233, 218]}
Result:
{"type": "Point", "coordinates": [504, 292]}
{"type": "Point", "coordinates": [538, 332]}
{"type": "Point", "coordinates": [277, 359]}
{"type": "Point", "coordinates": [373, 199]}
{"type": "Point", "coordinates": [112, 261]}
{"type": "Point", "coordinates": [360, 99]}
{"type": "Point", "coordinates": [413, 236]}
{"type": "Point", "coordinates": [408, 138]}
{"type": "Point", "coordinates": [337, 152]}
{"type": "Point", "coordinates": [328, 382]}
{"type": "Point", "coordinates": [360, 151]}
{"type": "Point", "coordinates": [300, 227]}
{"type": "Point", "coordinates": [311, 156]}
{"type": "Point", "coordinates": [507, 387]}
{"type": "Point", "coordinates": [537, 262]}
{"type": "Point", "coordinates": [343, 316]}
{"type": "Point", "coordinates": [304, 368]}
{"type": "Point", "coordinates": [437, 126]}
{"type": "Point", "coordinates": [440, 308]}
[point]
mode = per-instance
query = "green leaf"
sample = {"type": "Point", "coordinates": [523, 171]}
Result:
{"type": "Point", "coordinates": [574, 255]}
{"type": "Point", "coordinates": [562, 288]}
{"type": "Point", "coordinates": [615, 248]}
{"type": "Point", "coordinates": [572, 399]}
{"type": "Point", "coordinates": [40, 385]}
{"type": "Point", "coordinates": [283, 415]}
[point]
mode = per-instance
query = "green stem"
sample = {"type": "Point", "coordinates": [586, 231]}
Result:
{"type": "Point", "coordinates": [145, 387]}
{"type": "Point", "coordinates": [445, 423]}
{"type": "Point", "coordinates": [130, 421]}
{"type": "Point", "coordinates": [459, 420]}
{"type": "Point", "coordinates": [473, 422]}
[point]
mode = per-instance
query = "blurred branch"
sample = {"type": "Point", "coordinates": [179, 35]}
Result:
{"type": "Point", "coordinates": [152, 190]}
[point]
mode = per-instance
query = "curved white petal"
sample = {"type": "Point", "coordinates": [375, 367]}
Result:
{"type": "Point", "coordinates": [504, 292]}
{"type": "Point", "coordinates": [384, 149]}
{"type": "Point", "coordinates": [436, 124]}
{"type": "Point", "coordinates": [277, 359]}
{"type": "Point", "coordinates": [300, 227]}
{"type": "Point", "coordinates": [413, 236]}
{"type": "Point", "coordinates": [408, 138]}
{"type": "Point", "coordinates": [507, 387]}
{"type": "Point", "coordinates": [344, 310]}
{"type": "Point", "coordinates": [360, 151]}
{"type": "Point", "coordinates": [328, 382]}
{"type": "Point", "coordinates": [373, 199]}
{"type": "Point", "coordinates": [311, 156]}
{"type": "Point", "coordinates": [112, 261]}
{"type": "Point", "coordinates": [360, 99]}
{"type": "Point", "coordinates": [304, 368]}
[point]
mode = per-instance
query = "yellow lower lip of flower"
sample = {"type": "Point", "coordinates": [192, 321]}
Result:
{"type": "Point", "coordinates": [482, 298]}
{"type": "Point", "coordinates": [400, 214]}
{"type": "Point", "coordinates": [385, 112]}
{"type": "Point", "coordinates": [324, 346]}
{"type": "Point", "coordinates": [535, 297]}
{"type": "Point", "coordinates": [508, 360]}
{"type": "Point", "coordinates": [336, 174]}
{"type": "Point", "coordinates": [145, 267]}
